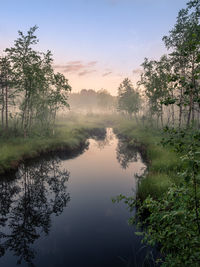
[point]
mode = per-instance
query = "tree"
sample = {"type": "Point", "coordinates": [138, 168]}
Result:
{"type": "Point", "coordinates": [105, 100]}
{"type": "Point", "coordinates": [6, 94]}
{"type": "Point", "coordinates": [41, 91]}
{"type": "Point", "coordinates": [128, 99]}
{"type": "Point", "coordinates": [155, 81]}
{"type": "Point", "coordinates": [184, 40]}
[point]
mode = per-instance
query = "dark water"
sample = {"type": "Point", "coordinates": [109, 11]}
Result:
{"type": "Point", "coordinates": [57, 211]}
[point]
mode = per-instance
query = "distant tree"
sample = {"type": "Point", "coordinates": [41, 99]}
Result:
{"type": "Point", "coordinates": [105, 99]}
{"type": "Point", "coordinates": [89, 100]}
{"type": "Point", "coordinates": [129, 99]}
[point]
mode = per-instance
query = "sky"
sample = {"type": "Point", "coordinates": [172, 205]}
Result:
{"type": "Point", "coordinates": [95, 43]}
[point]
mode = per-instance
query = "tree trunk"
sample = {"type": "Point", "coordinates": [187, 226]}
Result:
{"type": "Point", "coordinates": [161, 116]}
{"type": "Point", "coordinates": [2, 108]}
{"type": "Point", "coordinates": [189, 116]}
{"type": "Point", "coordinates": [158, 120]}
{"type": "Point", "coordinates": [192, 93]}
{"type": "Point", "coordinates": [6, 106]}
{"type": "Point", "coordinates": [180, 109]}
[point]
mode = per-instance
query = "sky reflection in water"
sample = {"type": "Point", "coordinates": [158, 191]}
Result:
{"type": "Point", "coordinates": [59, 212]}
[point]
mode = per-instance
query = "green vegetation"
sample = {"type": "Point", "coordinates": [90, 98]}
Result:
{"type": "Point", "coordinates": [163, 162]}
{"type": "Point", "coordinates": [30, 92]}
{"type": "Point", "coordinates": [171, 84]}
{"type": "Point", "coordinates": [69, 135]}
{"type": "Point", "coordinates": [168, 198]}
{"type": "Point", "coordinates": [129, 100]}
{"type": "Point", "coordinates": [31, 95]}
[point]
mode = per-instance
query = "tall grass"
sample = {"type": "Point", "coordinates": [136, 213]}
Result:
{"type": "Point", "coordinates": [69, 134]}
{"type": "Point", "coordinates": [163, 163]}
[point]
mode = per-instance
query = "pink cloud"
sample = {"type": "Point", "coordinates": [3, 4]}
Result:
{"type": "Point", "coordinates": [92, 63]}
{"type": "Point", "coordinates": [107, 73]}
{"type": "Point", "coordinates": [85, 72]}
{"type": "Point", "coordinates": [74, 62]}
{"type": "Point", "coordinates": [77, 66]}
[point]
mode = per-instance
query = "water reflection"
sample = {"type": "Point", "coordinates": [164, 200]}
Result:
{"type": "Point", "coordinates": [105, 138]}
{"type": "Point", "coordinates": [91, 231]}
{"type": "Point", "coordinates": [126, 153]}
{"type": "Point", "coordinates": [26, 206]}
{"type": "Point", "coordinates": [70, 154]}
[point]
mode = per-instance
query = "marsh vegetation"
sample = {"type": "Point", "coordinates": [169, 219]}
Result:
{"type": "Point", "coordinates": [156, 125]}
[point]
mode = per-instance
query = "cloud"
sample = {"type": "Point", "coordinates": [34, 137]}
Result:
{"type": "Point", "coordinates": [85, 72]}
{"type": "Point", "coordinates": [92, 63]}
{"type": "Point", "coordinates": [59, 66]}
{"type": "Point", "coordinates": [137, 71]}
{"type": "Point", "coordinates": [107, 69]}
{"type": "Point", "coordinates": [74, 67]}
{"type": "Point", "coordinates": [107, 73]}
{"type": "Point", "coordinates": [77, 67]}
{"type": "Point", "coordinates": [74, 62]}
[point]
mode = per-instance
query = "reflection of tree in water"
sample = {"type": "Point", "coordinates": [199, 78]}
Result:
{"type": "Point", "coordinates": [26, 206]}
{"type": "Point", "coordinates": [105, 139]}
{"type": "Point", "coordinates": [126, 153]}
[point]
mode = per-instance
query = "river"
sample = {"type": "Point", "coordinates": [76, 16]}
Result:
{"type": "Point", "coordinates": [57, 210]}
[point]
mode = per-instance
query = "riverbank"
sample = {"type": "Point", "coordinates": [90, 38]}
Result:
{"type": "Point", "coordinates": [168, 194]}
{"type": "Point", "coordinates": [162, 163]}
{"type": "Point", "coordinates": [71, 133]}
{"type": "Point", "coordinates": [69, 136]}
{"type": "Point", "coordinates": [171, 209]}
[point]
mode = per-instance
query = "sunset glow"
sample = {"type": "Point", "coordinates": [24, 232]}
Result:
{"type": "Point", "coordinates": [95, 44]}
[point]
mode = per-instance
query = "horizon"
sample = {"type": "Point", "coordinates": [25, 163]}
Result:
{"type": "Point", "coordinates": [95, 45]}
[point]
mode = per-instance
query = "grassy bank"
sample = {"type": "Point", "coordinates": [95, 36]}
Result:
{"type": "Point", "coordinates": [69, 135]}
{"type": "Point", "coordinates": [72, 131]}
{"type": "Point", "coordinates": [168, 212]}
{"type": "Point", "coordinates": [163, 163]}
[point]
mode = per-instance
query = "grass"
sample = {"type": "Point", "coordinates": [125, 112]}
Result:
{"type": "Point", "coordinates": [163, 163]}
{"type": "Point", "coordinates": [72, 131]}
{"type": "Point", "coordinates": [69, 135]}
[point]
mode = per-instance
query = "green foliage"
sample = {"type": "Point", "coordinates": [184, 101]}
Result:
{"type": "Point", "coordinates": [155, 80]}
{"type": "Point", "coordinates": [173, 81]}
{"type": "Point", "coordinates": [171, 224]}
{"type": "Point", "coordinates": [155, 185]}
{"type": "Point", "coordinates": [168, 197]}
{"type": "Point", "coordinates": [128, 99]}
{"type": "Point", "coordinates": [38, 91]}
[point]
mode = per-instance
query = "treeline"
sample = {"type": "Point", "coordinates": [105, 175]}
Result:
{"type": "Point", "coordinates": [30, 91]}
{"type": "Point", "coordinates": [92, 101]}
{"type": "Point", "coordinates": [171, 85]}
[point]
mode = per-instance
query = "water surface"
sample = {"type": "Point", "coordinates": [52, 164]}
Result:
{"type": "Point", "coordinates": [57, 210]}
